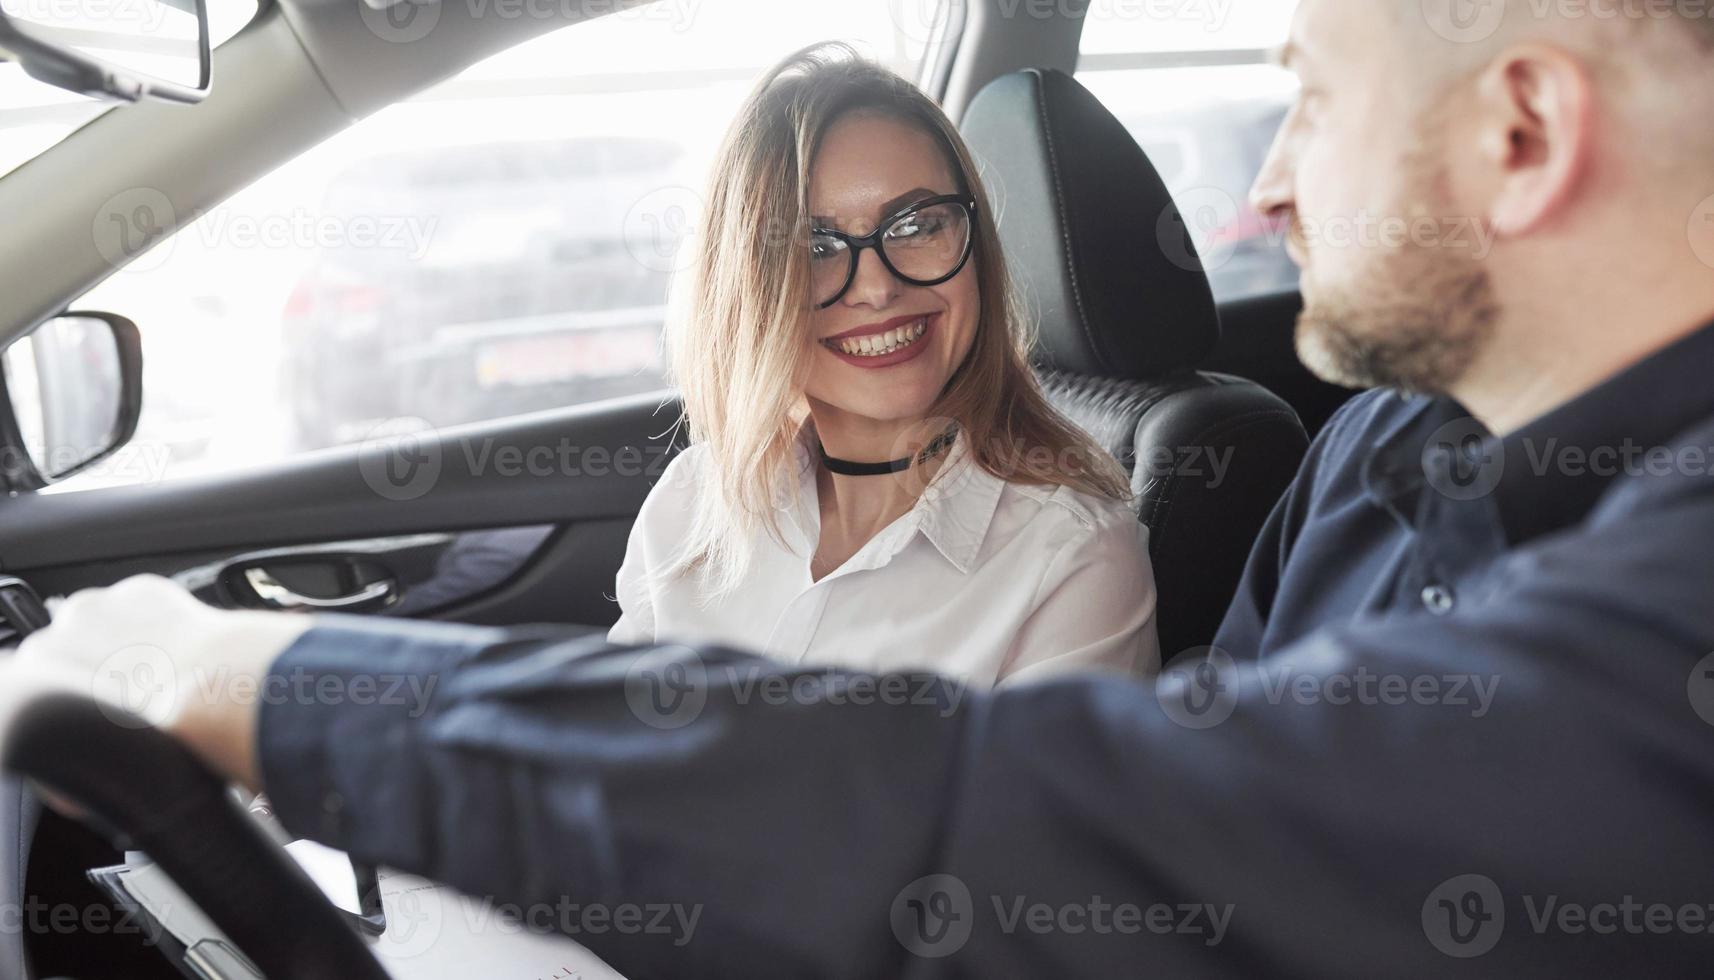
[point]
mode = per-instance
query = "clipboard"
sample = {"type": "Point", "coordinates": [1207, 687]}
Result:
{"type": "Point", "coordinates": [425, 930]}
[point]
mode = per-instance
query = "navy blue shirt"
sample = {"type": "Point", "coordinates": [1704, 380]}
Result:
{"type": "Point", "coordinates": [1409, 505]}
{"type": "Point", "coordinates": [1462, 727]}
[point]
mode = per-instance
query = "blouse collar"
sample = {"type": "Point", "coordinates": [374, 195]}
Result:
{"type": "Point", "coordinates": [954, 512]}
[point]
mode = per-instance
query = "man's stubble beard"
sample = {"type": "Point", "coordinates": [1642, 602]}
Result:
{"type": "Point", "coordinates": [1415, 320]}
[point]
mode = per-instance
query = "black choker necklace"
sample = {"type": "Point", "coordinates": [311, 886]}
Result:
{"type": "Point", "coordinates": [845, 467]}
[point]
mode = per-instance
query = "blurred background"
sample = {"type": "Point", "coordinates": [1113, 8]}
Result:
{"type": "Point", "coordinates": [504, 243]}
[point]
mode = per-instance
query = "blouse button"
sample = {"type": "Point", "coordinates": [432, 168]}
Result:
{"type": "Point", "coordinates": [1439, 599]}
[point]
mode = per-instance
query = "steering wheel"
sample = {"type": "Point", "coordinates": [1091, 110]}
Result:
{"type": "Point", "coordinates": [144, 791]}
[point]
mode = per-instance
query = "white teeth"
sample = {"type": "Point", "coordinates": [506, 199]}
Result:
{"type": "Point", "coordinates": [876, 345]}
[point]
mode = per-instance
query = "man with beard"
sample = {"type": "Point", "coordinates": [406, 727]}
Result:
{"type": "Point", "coordinates": [1492, 231]}
{"type": "Point", "coordinates": [1457, 721]}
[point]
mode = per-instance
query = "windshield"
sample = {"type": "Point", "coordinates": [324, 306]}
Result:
{"type": "Point", "coordinates": [35, 115]}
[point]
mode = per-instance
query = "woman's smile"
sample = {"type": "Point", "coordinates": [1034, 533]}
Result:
{"type": "Point", "coordinates": [879, 345]}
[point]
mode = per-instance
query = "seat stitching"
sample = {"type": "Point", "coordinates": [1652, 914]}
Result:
{"type": "Point", "coordinates": [1059, 201]}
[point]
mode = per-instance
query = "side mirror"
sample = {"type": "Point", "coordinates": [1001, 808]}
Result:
{"type": "Point", "coordinates": [73, 391]}
{"type": "Point", "coordinates": [144, 49]}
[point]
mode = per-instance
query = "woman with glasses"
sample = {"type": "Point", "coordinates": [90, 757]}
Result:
{"type": "Point", "coordinates": [874, 479]}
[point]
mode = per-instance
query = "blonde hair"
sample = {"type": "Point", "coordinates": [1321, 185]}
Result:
{"type": "Point", "coordinates": [737, 347]}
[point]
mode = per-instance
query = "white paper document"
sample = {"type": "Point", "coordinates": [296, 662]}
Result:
{"type": "Point", "coordinates": [433, 932]}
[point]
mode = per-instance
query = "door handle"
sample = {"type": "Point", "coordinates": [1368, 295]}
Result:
{"type": "Point", "coordinates": [275, 595]}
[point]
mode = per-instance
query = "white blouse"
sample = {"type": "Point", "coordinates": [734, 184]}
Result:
{"type": "Point", "coordinates": [982, 580]}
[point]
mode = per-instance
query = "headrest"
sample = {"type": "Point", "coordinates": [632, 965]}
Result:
{"type": "Point", "coordinates": [1090, 231]}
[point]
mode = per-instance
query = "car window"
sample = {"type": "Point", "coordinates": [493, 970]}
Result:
{"type": "Point", "coordinates": [501, 244]}
{"type": "Point", "coordinates": [1193, 83]}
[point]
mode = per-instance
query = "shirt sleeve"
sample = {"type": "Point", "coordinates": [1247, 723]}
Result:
{"type": "Point", "coordinates": [636, 622]}
{"type": "Point", "coordinates": [1094, 609]}
{"type": "Point", "coordinates": [1422, 792]}
{"type": "Point", "coordinates": [660, 526]}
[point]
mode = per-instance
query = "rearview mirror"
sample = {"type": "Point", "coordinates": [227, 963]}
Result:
{"type": "Point", "coordinates": [73, 391]}
{"type": "Point", "coordinates": [135, 50]}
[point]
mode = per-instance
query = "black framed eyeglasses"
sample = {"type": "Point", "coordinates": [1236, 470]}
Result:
{"type": "Point", "coordinates": [924, 244]}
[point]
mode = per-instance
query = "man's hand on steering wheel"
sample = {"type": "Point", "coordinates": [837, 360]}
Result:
{"type": "Point", "coordinates": [149, 647]}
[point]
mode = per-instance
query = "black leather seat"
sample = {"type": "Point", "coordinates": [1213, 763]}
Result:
{"type": "Point", "coordinates": [1126, 316]}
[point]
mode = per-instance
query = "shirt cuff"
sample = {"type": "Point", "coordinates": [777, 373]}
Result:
{"type": "Point", "coordinates": [338, 734]}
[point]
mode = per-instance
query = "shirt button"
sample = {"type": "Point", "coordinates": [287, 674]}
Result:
{"type": "Point", "coordinates": [1439, 599]}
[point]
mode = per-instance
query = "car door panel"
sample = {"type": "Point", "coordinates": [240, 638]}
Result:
{"type": "Point", "coordinates": [521, 520]}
